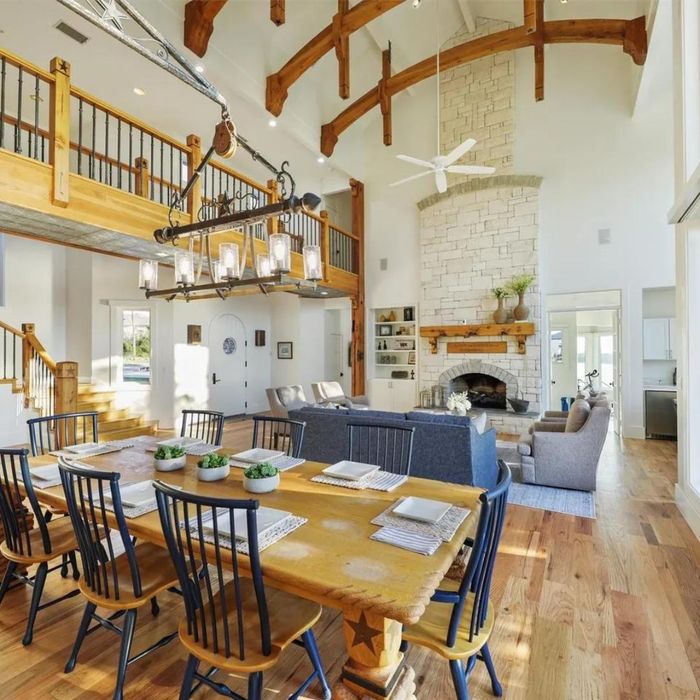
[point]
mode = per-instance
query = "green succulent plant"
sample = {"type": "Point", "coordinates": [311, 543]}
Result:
{"type": "Point", "coordinates": [212, 461]}
{"type": "Point", "coordinates": [261, 471]}
{"type": "Point", "coordinates": [520, 284]}
{"type": "Point", "coordinates": [169, 452]}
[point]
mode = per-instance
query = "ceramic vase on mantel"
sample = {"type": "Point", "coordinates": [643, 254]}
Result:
{"type": "Point", "coordinates": [521, 312]}
{"type": "Point", "coordinates": [500, 315]}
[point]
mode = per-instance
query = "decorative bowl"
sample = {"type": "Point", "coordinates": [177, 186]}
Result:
{"type": "Point", "coordinates": [519, 405]}
{"type": "Point", "coordinates": [213, 474]}
{"type": "Point", "coordinates": [265, 485]}
{"type": "Point", "coordinates": [170, 465]}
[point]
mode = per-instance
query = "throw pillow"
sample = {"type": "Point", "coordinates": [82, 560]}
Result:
{"type": "Point", "coordinates": [480, 422]}
{"type": "Point", "coordinates": [578, 415]}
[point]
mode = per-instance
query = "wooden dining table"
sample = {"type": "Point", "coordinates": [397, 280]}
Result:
{"type": "Point", "coordinates": [330, 559]}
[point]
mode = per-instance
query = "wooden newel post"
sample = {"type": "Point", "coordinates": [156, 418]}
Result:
{"type": "Point", "coordinates": [273, 223]}
{"type": "Point", "coordinates": [66, 388]}
{"type": "Point", "coordinates": [194, 158]}
{"type": "Point", "coordinates": [143, 177]}
{"type": "Point", "coordinates": [59, 131]}
{"type": "Point", "coordinates": [357, 191]}
{"type": "Point", "coordinates": [325, 243]}
{"type": "Point", "coordinates": [27, 329]}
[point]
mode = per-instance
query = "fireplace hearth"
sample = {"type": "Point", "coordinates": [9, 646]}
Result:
{"type": "Point", "coordinates": [484, 390]}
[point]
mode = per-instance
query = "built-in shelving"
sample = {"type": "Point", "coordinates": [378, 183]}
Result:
{"type": "Point", "coordinates": [395, 342]}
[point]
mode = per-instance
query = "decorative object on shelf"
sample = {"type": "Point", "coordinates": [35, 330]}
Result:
{"type": "Point", "coordinates": [404, 345]}
{"type": "Point", "coordinates": [519, 285]}
{"type": "Point", "coordinates": [259, 339]}
{"type": "Point", "coordinates": [168, 459]}
{"type": "Point", "coordinates": [382, 318]}
{"type": "Point", "coordinates": [438, 396]}
{"type": "Point", "coordinates": [519, 405]}
{"type": "Point", "coordinates": [213, 467]}
{"type": "Point", "coordinates": [261, 478]}
{"type": "Point", "coordinates": [408, 313]}
{"type": "Point", "coordinates": [399, 374]}
{"type": "Point", "coordinates": [194, 334]}
{"type": "Point", "coordinates": [148, 274]}
{"type": "Point", "coordinates": [285, 350]}
{"type": "Point", "coordinates": [384, 330]}
{"type": "Point", "coordinates": [384, 347]}
{"type": "Point", "coordinates": [392, 316]}
{"type": "Point", "coordinates": [459, 403]}
{"type": "Point", "coordinates": [413, 374]}
{"type": "Point", "coordinates": [426, 399]}
{"type": "Point", "coordinates": [412, 357]}
{"type": "Point", "coordinates": [500, 315]}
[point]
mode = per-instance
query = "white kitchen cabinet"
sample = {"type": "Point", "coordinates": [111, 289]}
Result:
{"type": "Point", "coordinates": [659, 338]}
{"type": "Point", "coordinates": [392, 395]}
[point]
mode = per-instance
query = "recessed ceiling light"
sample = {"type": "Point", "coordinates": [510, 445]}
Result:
{"type": "Point", "coordinates": [320, 159]}
{"type": "Point", "coordinates": [272, 123]}
{"type": "Point", "coordinates": [199, 69]}
{"type": "Point", "coordinates": [162, 254]}
{"type": "Point", "coordinates": [139, 91]}
{"type": "Point", "coordinates": [563, 2]}
{"type": "Point", "coordinates": [416, 3]}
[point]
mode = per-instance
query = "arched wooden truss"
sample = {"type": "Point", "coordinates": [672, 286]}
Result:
{"type": "Point", "coordinates": [535, 32]}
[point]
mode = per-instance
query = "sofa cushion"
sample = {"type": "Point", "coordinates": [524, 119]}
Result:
{"type": "Point", "coordinates": [378, 415]}
{"type": "Point", "coordinates": [578, 415]}
{"type": "Point", "coordinates": [525, 444]}
{"type": "Point", "coordinates": [292, 396]}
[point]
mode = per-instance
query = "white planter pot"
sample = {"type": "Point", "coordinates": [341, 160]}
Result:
{"type": "Point", "coordinates": [169, 465]}
{"type": "Point", "coordinates": [214, 474]}
{"type": "Point", "coordinates": [261, 485]}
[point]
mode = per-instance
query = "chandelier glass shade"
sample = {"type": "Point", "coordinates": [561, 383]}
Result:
{"type": "Point", "coordinates": [148, 274]}
{"type": "Point", "coordinates": [184, 268]}
{"type": "Point", "coordinates": [313, 270]}
{"type": "Point", "coordinates": [280, 247]}
{"type": "Point", "coordinates": [229, 267]}
{"type": "Point", "coordinates": [263, 267]}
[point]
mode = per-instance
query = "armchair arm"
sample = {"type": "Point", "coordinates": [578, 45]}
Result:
{"type": "Point", "coordinates": [565, 460]}
{"type": "Point", "coordinates": [556, 414]}
{"type": "Point", "coordinates": [547, 427]}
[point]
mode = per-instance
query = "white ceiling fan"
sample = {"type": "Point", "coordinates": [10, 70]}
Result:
{"type": "Point", "coordinates": [441, 165]}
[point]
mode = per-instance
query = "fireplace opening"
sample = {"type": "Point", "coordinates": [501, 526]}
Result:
{"type": "Point", "coordinates": [484, 390]}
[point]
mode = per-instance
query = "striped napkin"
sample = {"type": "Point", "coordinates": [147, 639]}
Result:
{"type": "Point", "coordinates": [422, 544]}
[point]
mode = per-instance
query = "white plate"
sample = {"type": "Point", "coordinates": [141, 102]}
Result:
{"type": "Point", "coordinates": [135, 495]}
{"type": "Point", "coordinates": [179, 442]}
{"type": "Point", "coordinates": [256, 455]}
{"type": "Point", "coordinates": [48, 472]}
{"type": "Point", "coordinates": [84, 447]}
{"type": "Point", "coordinates": [267, 518]}
{"type": "Point", "coordinates": [421, 509]}
{"type": "Point", "coordinates": [352, 471]}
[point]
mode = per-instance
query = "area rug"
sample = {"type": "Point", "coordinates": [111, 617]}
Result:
{"type": "Point", "coordinates": [581, 503]}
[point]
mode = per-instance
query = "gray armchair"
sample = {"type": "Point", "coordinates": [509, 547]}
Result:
{"type": "Point", "coordinates": [332, 392]}
{"type": "Point", "coordinates": [285, 398]}
{"type": "Point", "coordinates": [566, 454]}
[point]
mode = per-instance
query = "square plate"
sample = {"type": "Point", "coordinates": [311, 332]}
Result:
{"type": "Point", "coordinates": [352, 471]}
{"type": "Point", "coordinates": [424, 510]}
{"type": "Point", "coordinates": [135, 495]}
{"type": "Point", "coordinates": [84, 447]}
{"type": "Point", "coordinates": [49, 472]}
{"type": "Point", "coordinates": [267, 518]}
{"type": "Point", "coordinates": [179, 442]}
{"type": "Point", "coordinates": [256, 455]}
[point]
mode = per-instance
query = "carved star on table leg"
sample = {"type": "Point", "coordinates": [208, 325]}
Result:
{"type": "Point", "coordinates": [364, 634]}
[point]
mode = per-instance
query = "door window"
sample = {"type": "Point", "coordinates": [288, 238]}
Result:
{"type": "Point", "coordinates": [136, 346]}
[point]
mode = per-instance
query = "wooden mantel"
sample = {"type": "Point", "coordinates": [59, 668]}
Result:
{"type": "Point", "coordinates": [466, 330]}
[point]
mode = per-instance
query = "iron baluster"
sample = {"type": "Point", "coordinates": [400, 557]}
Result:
{"type": "Point", "coordinates": [3, 71]}
{"type": "Point", "coordinates": [92, 154]}
{"type": "Point", "coordinates": [130, 162]}
{"type": "Point", "coordinates": [80, 136]}
{"type": "Point", "coordinates": [162, 145]}
{"type": "Point", "coordinates": [171, 183]}
{"type": "Point", "coordinates": [119, 152]}
{"type": "Point", "coordinates": [18, 125]}
{"type": "Point", "coordinates": [153, 185]}
{"type": "Point", "coordinates": [108, 167]}
{"type": "Point", "coordinates": [36, 116]}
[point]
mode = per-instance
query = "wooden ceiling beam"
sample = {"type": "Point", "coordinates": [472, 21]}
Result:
{"type": "Point", "coordinates": [278, 84]}
{"type": "Point", "coordinates": [199, 23]}
{"type": "Point", "coordinates": [539, 49]}
{"type": "Point", "coordinates": [277, 12]}
{"type": "Point", "coordinates": [630, 34]}
{"type": "Point", "coordinates": [341, 43]}
{"type": "Point", "coordinates": [384, 97]}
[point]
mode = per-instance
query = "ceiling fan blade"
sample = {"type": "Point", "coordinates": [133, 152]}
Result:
{"type": "Point", "coordinates": [413, 177]}
{"type": "Point", "coordinates": [441, 181]}
{"type": "Point", "coordinates": [459, 151]}
{"type": "Point", "coordinates": [471, 169]}
{"type": "Point", "coordinates": [416, 161]}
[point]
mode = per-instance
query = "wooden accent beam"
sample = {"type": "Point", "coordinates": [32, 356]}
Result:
{"type": "Point", "coordinates": [357, 190]}
{"type": "Point", "coordinates": [59, 131]}
{"type": "Point", "coordinates": [539, 50]}
{"type": "Point", "coordinates": [467, 330]}
{"type": "Point", "coordinates": [199, 23]}
{"type": "Point", "coordinates": [278, 14]}
{"type": "Point", "coordinates": [384, 97]}
{"type": "Point", "coordinates": [341, 43]}
{"type": "Point", "coordinates": [278, 84]}
{"type": "Point", "coordinates": [194, 158]}
{"type": "Point", "coordinates": [630, 34]}
{"type": "Point", "coordinates": [484, 346]}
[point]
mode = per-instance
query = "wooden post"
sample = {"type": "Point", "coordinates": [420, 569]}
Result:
{"type": "Point", "coordinates": [341, 41]}
{"type": "Point", "coordinates": [384, 96]}
{"type": "Point", "coordinates": [325, 243]}
{"type": "Point", "coordinates": [143, 178]}
{"type": "Point", "coordinates": [357, 190]}
{"type": "Point", "coordinates": [59, 131]}
{"type": "Point", "coordinates": [539, 50]}
{"type": "Point", "coordinates": [277, 12]}
{"type": "Point", "coordinates": [273, 223]}
{"type": "Point", "coordinates": [27, 329]}
{"type": "Point", "coordinates": [194, 158]}
{"type": "Point", "coordinates": [66, 387]}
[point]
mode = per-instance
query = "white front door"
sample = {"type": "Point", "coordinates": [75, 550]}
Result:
{"type": "Point", "coordinates": [227, 364]}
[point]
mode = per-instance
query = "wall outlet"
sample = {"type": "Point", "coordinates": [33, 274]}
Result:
{"type": "Point", "coordinates": [383, 264]}
{"type": "Point", "coordinates": [604, 236]}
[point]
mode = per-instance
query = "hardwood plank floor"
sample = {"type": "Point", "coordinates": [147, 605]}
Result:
{"type": "Point", "coordinates": [606, 608]}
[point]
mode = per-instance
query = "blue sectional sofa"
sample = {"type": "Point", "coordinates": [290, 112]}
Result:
{"type": "Point", "coordinates": [446, 448]}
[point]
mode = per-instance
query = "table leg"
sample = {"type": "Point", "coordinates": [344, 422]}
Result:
{"type": "Point", "coordinates": [375, 668]}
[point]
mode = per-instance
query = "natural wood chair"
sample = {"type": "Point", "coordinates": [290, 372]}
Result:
{"type": "Point", "coordinates": [119, 582]}
{"type": "Point", "coordinates": [31, 537]}
{"type": "Point", "coordinates": [388, 446]}
{"type": "Point", "coordinates": [50, 433]}
{"type": "Point", "coordinates": [233, 624]}
{"type": "Point", "coordinates": [458, 622]}
{"type": "Point", "coordinates": [278, 434]}
{"type": "Point", "coordinates": [203, 425]}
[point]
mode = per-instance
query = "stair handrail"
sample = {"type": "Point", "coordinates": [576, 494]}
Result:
{"type": "Point", "coordinates": [12, 329]}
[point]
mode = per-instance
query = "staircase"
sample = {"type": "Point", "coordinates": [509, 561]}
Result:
{"type": "Point", "coordinates": [113, 423]}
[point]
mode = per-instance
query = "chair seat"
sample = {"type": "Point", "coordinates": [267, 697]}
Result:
{"type": "Point", "coordinates": [431, 630]}
{"type": "Point", "coordinates": [157, 575]}
{"type": "Point", "coordinates": [62, 541]}
{"type": "Point", "coordinates": [289, 617]}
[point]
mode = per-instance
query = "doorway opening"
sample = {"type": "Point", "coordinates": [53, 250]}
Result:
{"type": "Point", "coordinates": [228, 365]}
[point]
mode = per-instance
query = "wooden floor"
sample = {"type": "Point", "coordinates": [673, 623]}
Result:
{"type": "Point", "coordinates": [606, 608]}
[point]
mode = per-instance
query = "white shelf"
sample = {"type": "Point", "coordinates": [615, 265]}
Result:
{"type": "Point", "coordinates": [394, 323]}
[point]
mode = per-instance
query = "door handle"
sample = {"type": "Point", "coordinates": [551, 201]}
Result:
{"type": "Point", "coordinates": [214, 380]}
{"type": "Point", "coordinates": [554, 381]}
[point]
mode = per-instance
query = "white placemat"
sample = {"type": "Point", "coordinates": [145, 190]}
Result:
{"type": "Point", "coordinates": [412, 541]}
{"type": "Point", "coordinates": [283, 463]}
{"type": "Point", "coordinates": [445, 528]}
{"type": "Point", "coordinates": [113, 446]}
{"type": "Point", "coordinates": [378, 481]}
{"type": "Point", "coordinates": [274, 534]}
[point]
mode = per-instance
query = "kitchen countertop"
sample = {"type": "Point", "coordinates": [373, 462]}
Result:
{"type": "Point", "coordinates": [660, 387]}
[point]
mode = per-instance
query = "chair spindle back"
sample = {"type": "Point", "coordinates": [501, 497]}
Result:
{"type": "Point", "coordinates": [203, 425]}
{"type": "Point", "coordinates": [279, 434]}
{"type": "Point", "coordinates": [50, 433]}
{"type": "Point", "coordinates": [389, 446]}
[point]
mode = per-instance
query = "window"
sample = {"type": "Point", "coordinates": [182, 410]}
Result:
{"type": "Point", "coordinates": [607, 369]}
{"type": "Point", "coordinates": [581, 359]}
{"type": "Point", "coordinates": [136, 346]}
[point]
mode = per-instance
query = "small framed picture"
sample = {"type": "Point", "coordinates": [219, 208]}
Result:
{"type": "Point", "coordinates": [259, 339]}
{"type": "Point", "coordinates": [285, 350]}
{"type": "Point", "coordinates": [194, 335]}
{"type": "Point", "coordinates": [411, 358]}
{"type": "Point", "coordinates": [384, 330]}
